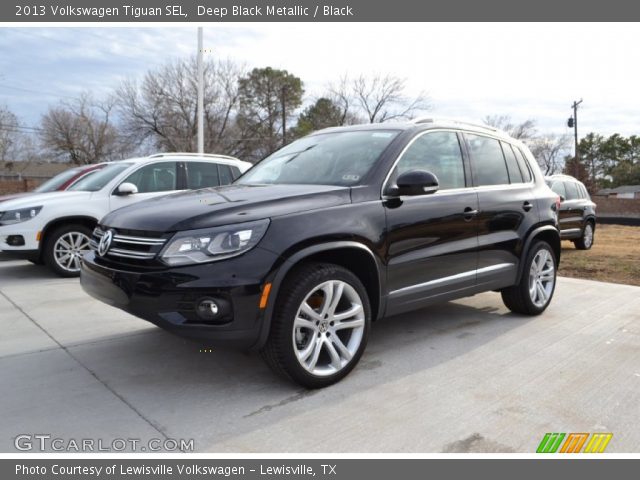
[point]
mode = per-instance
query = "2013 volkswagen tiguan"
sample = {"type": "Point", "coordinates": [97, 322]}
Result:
{"type": "Point", "coordinates": [339, 228]}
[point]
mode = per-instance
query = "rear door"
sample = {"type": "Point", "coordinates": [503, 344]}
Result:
{"type": "Point", "coordinates": [506, 208]}
{"type": "Point", "coordinates": [201, 175]}
{"type": "Point", "coordinates": [431, 239]}
{"type": "Point", "coordinates": [573, 209]}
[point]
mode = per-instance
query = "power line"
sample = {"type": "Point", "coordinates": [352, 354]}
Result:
{"type": "Point", "coordinates": [39, 92]}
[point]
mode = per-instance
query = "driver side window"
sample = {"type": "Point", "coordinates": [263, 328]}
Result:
{"type": "Point", "coordinates": [438, 153]}
{"type": "Point", "coordinates": [157, 177]}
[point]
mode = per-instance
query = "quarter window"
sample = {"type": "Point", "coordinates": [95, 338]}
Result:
{"type": "Point", "coordinates": [515, 176]}
{"type": "Point", "coordinates": [157, 177]}
{"type": "Point", "coordinates": [488, 161]}
{"type": "Point", "coordinates": [522, 161]}
{"type": "Point", "coordinates": [438, 153]}
{"type": "Point", "coordinates": [225, 174]}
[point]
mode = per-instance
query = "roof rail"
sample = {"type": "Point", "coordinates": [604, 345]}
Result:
{"type": "Point", "coordinates": [420, 120]}
{"type": "Point", "coordinates": [190, 154]}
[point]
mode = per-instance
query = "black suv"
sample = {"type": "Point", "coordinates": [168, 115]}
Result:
{"type": "Point", "coordinates": [338, 229]}
{"type": "Point", "coordinates": [577, 213]}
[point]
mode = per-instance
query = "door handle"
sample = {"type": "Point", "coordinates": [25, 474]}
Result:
{"type": "Point", "coordinates": [526, 206]}
{"type": "Point", "coordinates": [469, 213]}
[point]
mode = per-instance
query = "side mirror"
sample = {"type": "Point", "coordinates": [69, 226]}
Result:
{"type": "Point", "coordinates": [416, 182]}
{"type": "Point", "coordinates": [126, 188]}
{"type": "Point", "coordinates": [562, 199]}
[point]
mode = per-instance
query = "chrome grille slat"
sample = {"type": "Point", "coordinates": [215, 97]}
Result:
{"type": "Point", "coordinates": [118, 252]}
{"type": "Point", "coordinates": [137, 244]}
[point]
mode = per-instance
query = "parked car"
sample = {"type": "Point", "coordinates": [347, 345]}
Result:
{"type": "Point", "coordinates": [337, 229]}
{"type": "Point", "coordinates": [55, 228]}
{"type": "Point", "coordinates": [61, 182]}
{"type": "Point", "coordinates": [577, 213]}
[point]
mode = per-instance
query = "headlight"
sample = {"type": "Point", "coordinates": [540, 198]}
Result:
{"type": "Point", "coordinates": [20, 215]}
{"type": "Point", "coordinates": [211, 244]}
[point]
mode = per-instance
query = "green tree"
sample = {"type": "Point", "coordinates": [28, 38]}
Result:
{"type": "Point", "coordinates": [268, 98]}
{"type": "Point", "coordinates": [322, 114]}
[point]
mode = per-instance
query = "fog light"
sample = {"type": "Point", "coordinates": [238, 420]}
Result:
{"type": "Point", "coordinates": [208, 309]}
{"type": "Point", "coordinates": [15, 240]}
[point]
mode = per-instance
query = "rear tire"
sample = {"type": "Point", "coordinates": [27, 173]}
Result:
{"type": "Point", "coordinates": [532, 295]}
{"type": "Point", "coordinates": [585, 242]}
{"type": "Point", "coordinates": [64, 247]}
{"type": "Point", "coordinates": [320, 325]}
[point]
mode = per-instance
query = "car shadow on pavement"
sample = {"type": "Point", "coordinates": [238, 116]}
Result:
{"type": "Point", "coordinates": [19, 270]}
{"type": "Point", "coordinates": [180, 383]}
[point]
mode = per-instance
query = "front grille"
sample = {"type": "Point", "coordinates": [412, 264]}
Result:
{"type": "Point", "coordinates": [139, 247]}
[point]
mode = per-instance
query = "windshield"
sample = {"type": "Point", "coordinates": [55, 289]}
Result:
{"type": "Point", "coordinates": [340, 158]}
{"type": "Point", "coordinates": [98, 180]}
{"type": "Point", "coordinates": [56, 182]}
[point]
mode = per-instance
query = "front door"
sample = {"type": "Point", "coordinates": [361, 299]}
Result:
{"type": "Point", "coordinates": [432, 238]}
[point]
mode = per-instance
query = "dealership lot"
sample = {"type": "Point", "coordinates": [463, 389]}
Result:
{"type": "Point", "coordinates": [466, 376]}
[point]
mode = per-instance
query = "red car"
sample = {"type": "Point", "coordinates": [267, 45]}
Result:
{"type": "Point", "coordinates": [60, 182]}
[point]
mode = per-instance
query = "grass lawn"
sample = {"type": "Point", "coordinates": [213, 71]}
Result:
{"type": "Point", "coordinates": [614, 257]}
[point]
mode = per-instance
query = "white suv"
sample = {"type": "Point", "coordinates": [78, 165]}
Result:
{"type": "Point", "coordinates": [55, 228]}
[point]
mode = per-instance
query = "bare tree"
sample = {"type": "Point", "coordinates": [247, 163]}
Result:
{"type": "Point", "coordinates": [374, 99]}
{"type": "Point", "coordinates": [10, 134]}
{"type": "Point", "coordinates": [84, 131]}
{"type": "Point", "coordinates": [382, 98]}
{"type": "Point", "coordinates": [522, 131]}
{"type": "Point", "coordinates": [549, 151]}
{"type": "Point", "coordinates": [162, 109]}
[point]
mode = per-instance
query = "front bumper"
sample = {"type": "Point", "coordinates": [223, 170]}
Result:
{"type": "Point", "coordinates": [169, 297]}
{"type": "Point", "coordinates": [28, 233]}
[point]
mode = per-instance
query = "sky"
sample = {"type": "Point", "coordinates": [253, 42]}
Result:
{"type": "Point", "coordinates": [468, 70]}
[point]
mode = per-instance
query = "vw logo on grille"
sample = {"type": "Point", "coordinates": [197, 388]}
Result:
{"type": "Point", "coordinates": [105, 243]}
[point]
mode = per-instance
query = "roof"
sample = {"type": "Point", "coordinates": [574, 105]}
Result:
{"type": "Point", "coordinates": [561, 176]}
{"type": "Point", "coordinates": [623, 189]}
{"type": "Point", "coordinates": [429, 123]}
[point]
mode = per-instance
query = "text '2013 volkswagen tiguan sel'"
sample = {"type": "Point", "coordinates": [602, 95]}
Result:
{"type": "Point", "coordinates": [339, 228]}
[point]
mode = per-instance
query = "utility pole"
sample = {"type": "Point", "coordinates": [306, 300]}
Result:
{"type": "Point", "coordinates": [573, 122]}
{"type": "Point", "coordinates": [284, 115]}
{"type": "Point", "coordinates": [200, 94]}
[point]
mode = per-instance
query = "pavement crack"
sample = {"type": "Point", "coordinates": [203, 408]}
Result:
{"type": "Point", "coordinates": [149, 422]}
{"type": "Point", "coordinates": [282, 403]}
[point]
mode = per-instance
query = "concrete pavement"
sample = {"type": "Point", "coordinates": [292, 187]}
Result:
{"type": "Point", "coordinates": [465, 376]}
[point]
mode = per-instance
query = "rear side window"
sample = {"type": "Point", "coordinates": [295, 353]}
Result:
{"type": "Point", "coordinates": [225, 174]}
{"type": "Point", "coordinates": [202, 175]}
{"type": "Point", "coordinates": [522, 162]}
{"type": "Point", "coordinates": [572, 190]}
{"type": "Point", "coordinates": [488, 160]}
{"type": "Point", "coordinates": [438, 153]}
{"type": "Point", "coordinates": [584, 192]}
{"type": "Point", "coordinates": [515, 176]}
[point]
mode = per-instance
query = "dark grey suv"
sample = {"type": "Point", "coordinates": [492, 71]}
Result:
{"type": "Point", "coordinates": [577, 213]}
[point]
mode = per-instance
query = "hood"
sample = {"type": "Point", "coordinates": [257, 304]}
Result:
{"type": "Point", "coordinates": [230, 204]}
{"type": "Point", "coordinates": [44, 199]}
{"type": "Point", "coordinates": [4, 198]}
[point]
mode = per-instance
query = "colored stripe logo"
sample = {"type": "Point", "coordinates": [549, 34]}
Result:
{"type": "Point", "coordinates": [573, 442]}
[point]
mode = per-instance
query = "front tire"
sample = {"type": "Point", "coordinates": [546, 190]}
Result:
{"type": "Point", "coordinates": [585, 242]}
{"type": "Point", "coordinates": [64, 248]}
{"type": "Point", "coordinates": [320, 326]}
{"type": "Point", "coordinates": [532, 295]}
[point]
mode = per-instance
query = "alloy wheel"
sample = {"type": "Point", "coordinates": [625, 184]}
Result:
{"type": "Point", "coordinates": [69, 249]}
{"type": "Point", "coordinates": [328, 328]}
{"type": "Point", "coordinates": [542, 278]}
{"type": "Point", "coordinates": [587, 236]}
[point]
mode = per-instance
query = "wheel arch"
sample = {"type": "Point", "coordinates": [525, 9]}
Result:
{"type": "Point", "coordinates": [353, 255]}
{"type": "Point", "coordinates": [85, 220]}
{"type": "Point", "coordinates": [549, 234]}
